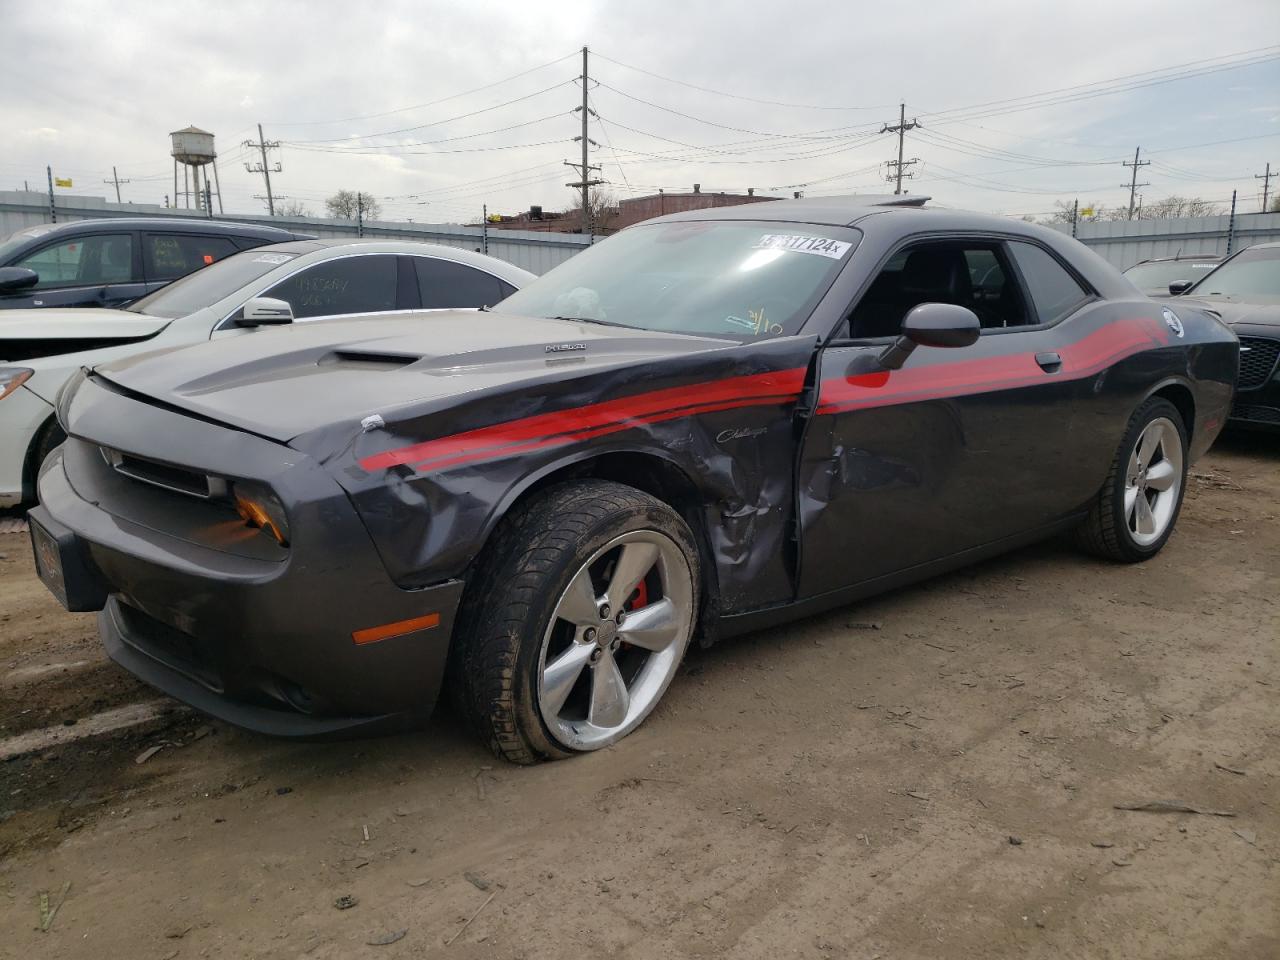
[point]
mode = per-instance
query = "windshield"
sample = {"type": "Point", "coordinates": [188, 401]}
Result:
{"type": "Point", "coordinates": [21, 237]}
{"type": "Point", "coordinates": [1249, 275]}
{"type": "Point", "coordinates": [735, 279]}
{"type": "Point", "coordinates": [1155, 277]}
{"type": "Point", "coordinates": [207, 286]}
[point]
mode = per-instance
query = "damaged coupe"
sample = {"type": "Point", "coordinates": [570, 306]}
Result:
{"type": "Point", "coordinates": [709, 424]}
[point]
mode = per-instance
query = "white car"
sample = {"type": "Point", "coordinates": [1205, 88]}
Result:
{"type": "Point", "coordinates": [281, 283]}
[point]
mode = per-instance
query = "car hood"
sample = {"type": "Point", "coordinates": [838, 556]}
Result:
{"type": "Point", "coordinates": [284, 382]}
{"type": "Point", "coordinates": [1233, 311]}
{"type": "Point", "coordinates": [79, 323]}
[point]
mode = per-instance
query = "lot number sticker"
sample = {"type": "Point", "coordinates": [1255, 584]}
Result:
{"type": "Point", "coordinates": [821, 246]}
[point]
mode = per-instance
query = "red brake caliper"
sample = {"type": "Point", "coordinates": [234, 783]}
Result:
{"type": "Point", "coordinates": [639, 598]}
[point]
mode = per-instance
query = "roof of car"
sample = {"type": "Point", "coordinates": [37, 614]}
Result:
{"type": "Point", "coordinates": [835, 211]}
{"type": "Point", "coordinates": [499, 268]}
{"type": "Point", "coordinates": [172, 224]}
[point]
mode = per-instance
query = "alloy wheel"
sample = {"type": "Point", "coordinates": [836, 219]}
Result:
{"type": "Point", "coordinates": [615, 640]}
{"type": "Point", "coordinates": [1153, 482]}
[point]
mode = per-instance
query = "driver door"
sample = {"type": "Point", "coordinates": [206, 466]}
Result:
{"type": "Point", "coordinates": [955, 450]}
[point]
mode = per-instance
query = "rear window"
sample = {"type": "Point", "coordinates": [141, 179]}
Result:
{"type": "Point", "coordinates": [1054, 291]}
{"type": "Point", "coordinates": [1154, 278]}
{"type": "Point", "coordinates": [167, 256]}
{"type": "Point", "coordinates": [205, 287]}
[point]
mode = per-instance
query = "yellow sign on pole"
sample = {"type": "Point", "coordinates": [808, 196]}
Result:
{"type": "Point", "coordinates": [1086, 211]}
{"type": "Point", "coordinates": [62, 181]}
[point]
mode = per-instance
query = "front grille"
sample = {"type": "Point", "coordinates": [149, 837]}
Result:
{"type": "Point", "coordinates": [177, 479]}
{"type": "Point", "coordinates": [1256, 413]}
{"type": "Point", "coordinates": [175, 649]}
{"type": "Point", "coordinates": [1257, 360]}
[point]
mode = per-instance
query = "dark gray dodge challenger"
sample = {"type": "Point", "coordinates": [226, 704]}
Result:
{"type": "Point", "coordinates": [711, 423]}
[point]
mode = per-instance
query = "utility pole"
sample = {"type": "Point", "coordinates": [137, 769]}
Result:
{"type": "Point", "coordinates": [1075, 216]}
{"type": "Point", "coordinates": [115, 178]}
{"type": "Point", "coordinates": [1266, 184]}
{"type": "Point", "coordinates": [264, 168]}
{"type": "Point", "coordinates": [900, 129]}
{"type": "Point", "coordinates": [585, 183]}
{"type": "Point", "coordinates": [484, 230]}
{"type": "Point", "coordinates": [359, 214]}
{"type": "Point", "coordinates": [53, 213]}
{"type": "Point", "coordinates": [208, 199]}
{"type": "Point", "coordinates": [1133, 183]}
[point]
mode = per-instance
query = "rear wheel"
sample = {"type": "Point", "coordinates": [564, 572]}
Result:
{"type": "Point", "coordinates": [1134, 513]}
{"type": "Point", "coordinates": [577, 620]}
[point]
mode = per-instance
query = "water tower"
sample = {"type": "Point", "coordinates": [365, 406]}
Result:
{"type": "Point", "coordinates": [193, 148]}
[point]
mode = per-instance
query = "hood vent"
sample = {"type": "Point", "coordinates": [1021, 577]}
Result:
{"type": "Point", "coordinates": [366, 360]}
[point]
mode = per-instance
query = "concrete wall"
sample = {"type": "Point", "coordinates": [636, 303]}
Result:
{"type": "Point", "coordinates": [1126, 242]}
{"type": "Point", "coordinates": [536, 252]}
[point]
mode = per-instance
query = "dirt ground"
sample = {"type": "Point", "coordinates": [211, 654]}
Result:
{"type": "Point", "coordinates": [935, 773]}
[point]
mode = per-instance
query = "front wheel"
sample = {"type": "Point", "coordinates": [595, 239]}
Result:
{"type": "Point", "coordinates": [577, 620]}
{"type": "Point", "coordinates": [1134, 513]}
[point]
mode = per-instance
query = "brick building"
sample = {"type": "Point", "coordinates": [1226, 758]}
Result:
{"type": "Point", "coordinates": [628, 211]}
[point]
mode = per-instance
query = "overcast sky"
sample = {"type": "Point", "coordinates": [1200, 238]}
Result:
{"type": "Point", "coordinates": [89, 85]}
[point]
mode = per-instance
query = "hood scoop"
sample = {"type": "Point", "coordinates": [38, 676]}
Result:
{"type": "Point", "coordinates": [366, 360]}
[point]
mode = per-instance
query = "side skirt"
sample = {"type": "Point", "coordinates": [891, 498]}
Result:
{"type": "Point", "coordinates": [737, 624]}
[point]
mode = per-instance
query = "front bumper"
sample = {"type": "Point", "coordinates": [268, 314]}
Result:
{"type": "Point", "coordinates": [261, 639]}
{"type": "Point", "coordinates": [1257, 399]}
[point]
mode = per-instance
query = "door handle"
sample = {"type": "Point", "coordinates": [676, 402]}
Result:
{"type": "Point", "coordinates": [1050, 362]}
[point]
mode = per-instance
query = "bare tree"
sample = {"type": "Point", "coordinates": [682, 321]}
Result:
{"type": "Point", "coordinates": [1176, 206]}
{"type": "Point", "coordinates": [602, 204]}
{"type": "Point", "coordinates": [344, 205]}
{"type": "Point", "coordinates": [293, 208]}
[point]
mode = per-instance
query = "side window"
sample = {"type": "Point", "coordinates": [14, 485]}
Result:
{"type": "Point", "coordinates": [349, 285]}
{"type": "Point", "coordinates": [1053, 290]}
{"type": "Point", "coordinates": [444, 283]}
{"type": "Point", "coordinates": [968, 273]}
{"type": "Point", "coordinates": [100, 258]}
{"type": "Point", "coordinates": [169, 256]}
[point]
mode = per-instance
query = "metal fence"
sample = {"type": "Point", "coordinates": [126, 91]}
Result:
{"type": "Point", "coordinates": [1121, 242]}
{"type": "Point", "coordinates": [1126, 242]}
{"type": "Point", "coordinates": [536, 252]}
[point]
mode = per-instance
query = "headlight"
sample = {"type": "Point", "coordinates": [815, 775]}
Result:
{"type": "Point", "coordinates": [261, 508]}
{"type": "Point", "coordinates": [11, 378]}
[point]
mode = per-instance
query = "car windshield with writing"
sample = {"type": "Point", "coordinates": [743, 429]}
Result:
{"type": "Point", "coordinates": [1252, 275]}
{"type": "Point", "coordinates": [733, 279]}
{"type": "Point", "coordinates": [198, 290]}
{"type": "Point", "coordinates": [1154, 277]}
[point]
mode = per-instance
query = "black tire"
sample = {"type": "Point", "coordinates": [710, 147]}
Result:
{"type": "Point", "coordinates": [510, 600]}
{"type": "Point", "coordinates": [51, 435]}
{"type": "Point", "coordinates": [1106, 532]}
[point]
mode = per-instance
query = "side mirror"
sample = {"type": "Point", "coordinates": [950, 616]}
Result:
{"type": "Point", "coordinates": [932, 325]}
{"type": "Point", "coordinates": [1179, 287]}
{"type": "Point", "coordinates": [264, 311]}
{"type": "Point", "coordinates": [17, 278]}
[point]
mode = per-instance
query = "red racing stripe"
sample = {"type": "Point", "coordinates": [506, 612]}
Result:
{"type": "Point", "coordinates": [596, 419]}
{"type": "Point", "coordinates": [1087, 356]}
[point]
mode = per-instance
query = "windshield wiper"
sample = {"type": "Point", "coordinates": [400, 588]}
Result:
{"type": "Point", "coordinates": [603, 323]}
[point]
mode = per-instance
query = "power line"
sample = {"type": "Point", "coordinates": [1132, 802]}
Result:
{"type": "Point", "coordinates": [423, 106]}
{"type": "Point", "coordinates": [437, 123]}
{"type": "Point", "coordinates": [733, 96]}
